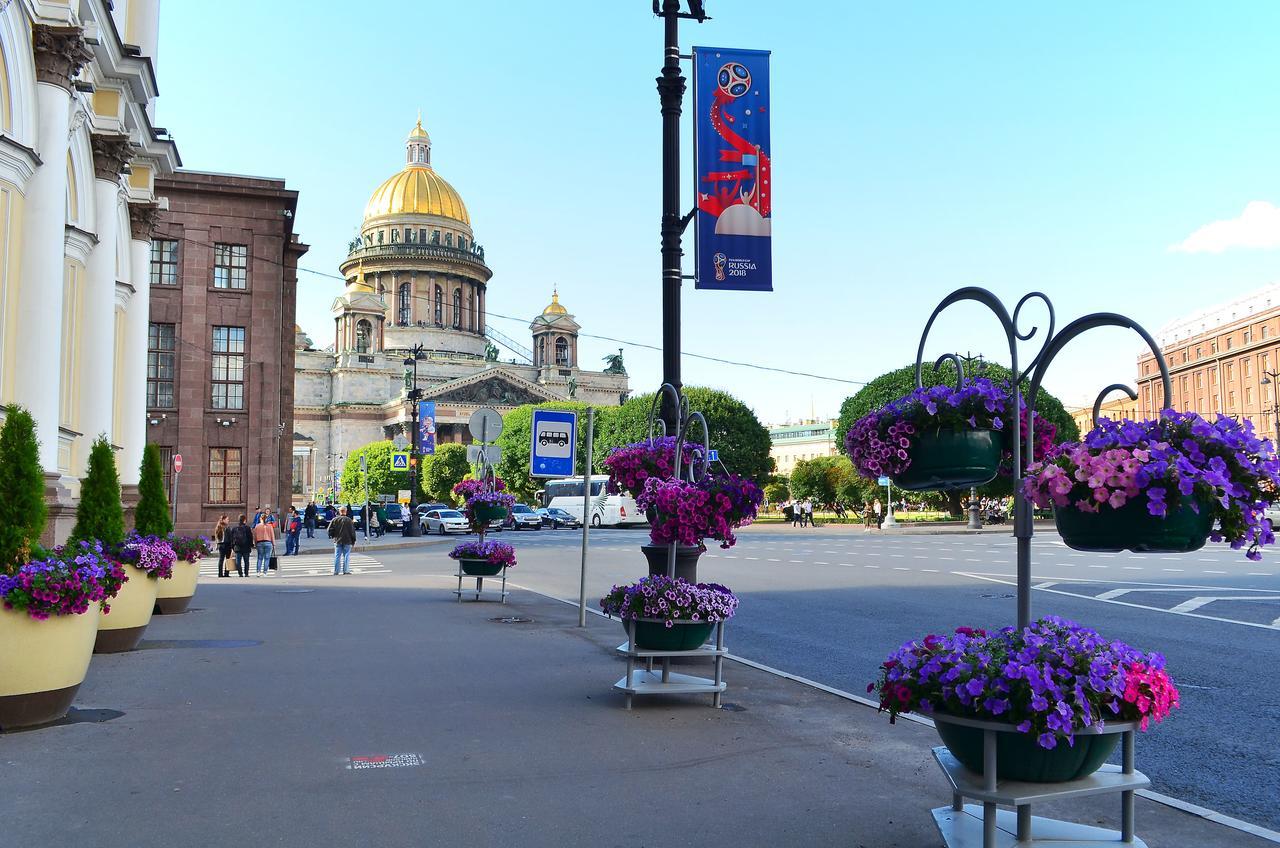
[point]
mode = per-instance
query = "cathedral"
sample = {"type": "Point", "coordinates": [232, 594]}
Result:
{"type": "Point", "coordinates": [416, 276]}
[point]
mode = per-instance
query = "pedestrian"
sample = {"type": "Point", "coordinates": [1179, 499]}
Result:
{"type": "Point", "coordinates": [877, 509]}
{"type": "Point", "coordinates": [292, 531]}
{"type": "Point", "coordinates": [264, 539]}
{"type": "Point", "coordinates": [342, 530]}
{"type": "Point", "coordinates": [309, 519]}
{"type": "Point", "coordinates": [375, 526]}
{"type": "Point", "coordinates": [808, 512]}
{"type": "Point", "coordinates": [867, 515]}
{"type": "Point", "coordinates": [224, 546]}
{"type": "Point", "coordinates": [330, 512]}
{"type": "Point", "coordinates": [241, 543]}
{"type": "Point", "coordinates": [789, 512]}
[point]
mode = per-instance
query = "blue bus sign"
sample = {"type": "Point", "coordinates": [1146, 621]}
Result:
{"type": "Point", "coordinates": [555, 439]}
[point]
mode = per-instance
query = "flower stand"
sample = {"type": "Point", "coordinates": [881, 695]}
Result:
{"type": "Point", "coordinates": [479, 592]}
{"type": "Point", "coordinates": [663, 681]}
{"type": "Point", "coordinates": [984, 825]}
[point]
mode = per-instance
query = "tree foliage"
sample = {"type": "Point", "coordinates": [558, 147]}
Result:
{"type": "Point", "coordinates": [382, 479]}
{"type": "Point", "coordinates": [776, 491]}
{"type": "Point", "coordinates": [742, 441]}
{"type": "Point", "coordinates": [516, 442]}
{"type": "Point", "coordinates": [152, 516]}
{"type": "Point", "coordinates": [21, 488]}
{"type": "Point", "coordinates": [448, 468]}
{"type": "Point", "coordinates": [100, 514]}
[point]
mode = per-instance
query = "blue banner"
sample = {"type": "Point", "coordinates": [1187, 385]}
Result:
{"type": "Point", "coordinates": [426, 427]}
{"type": "Point", "coordinates": [733, 229]}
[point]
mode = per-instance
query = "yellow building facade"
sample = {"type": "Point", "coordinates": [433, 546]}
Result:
{"type": "Point", "coordinates": [78, 159]}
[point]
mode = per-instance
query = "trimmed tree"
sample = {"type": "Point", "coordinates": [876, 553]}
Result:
{"type": "Point", "coordinates": [448, 468]}
{"type": "Point", "coordinates": [100, 514]}
{"type": "Point", "coordinates": [742, 441]}
{"type": "Point", "coordinates": [152, 517]}
{"type": "Point", "coordinates": [21, 488]}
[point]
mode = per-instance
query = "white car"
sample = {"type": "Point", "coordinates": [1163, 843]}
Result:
{"type": "Point", "coordinates": [1273, 512]}
{"type": "Point", "coordinates": [444, 521]}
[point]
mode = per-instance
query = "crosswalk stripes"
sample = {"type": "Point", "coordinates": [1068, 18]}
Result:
{"type": "Point", "coordinates": [302, 565]}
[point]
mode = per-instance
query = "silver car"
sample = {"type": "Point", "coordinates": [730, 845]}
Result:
{"type": "Point", "coordinates": [444, 521]}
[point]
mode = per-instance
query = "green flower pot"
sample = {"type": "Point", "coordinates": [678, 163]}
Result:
{"type": "Point", "coordinates": [480, 567]}
{"type": "Point", "coordinates": [951, 459]}
{"type": "Point", "coordinates": [656, 636]}
{"type": "Point", "coordinates": [484, 513]}
{"type": "Point", "coordinates": [1133, 528]}
{"type": "Point", "coordinates": [1018, 757]}
{"type": "Point", "coordinates": [686, 561]}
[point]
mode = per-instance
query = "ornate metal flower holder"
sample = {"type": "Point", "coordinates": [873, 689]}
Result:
{"type": "Point", "coordinates": [479, 593]}
{"type": "Point", "coordinates": [972, 826]}
{"type": "Point", "coordinates": [663, 681]}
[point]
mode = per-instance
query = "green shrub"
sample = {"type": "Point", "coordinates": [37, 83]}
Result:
{"type": "Point", "coordinates": [152, 517]}
{"type": "Point", "coordinates": [100, 514]}
{"type": "Point", "coordinates": [21, 488]}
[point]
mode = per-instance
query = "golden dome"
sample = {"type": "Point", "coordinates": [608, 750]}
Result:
{"type": "Point", "coordinates": [417, 190]}
{"type": "Point", "coordinates": [418, 131]}
{"type": "Point", "coordinates": [554, 307]}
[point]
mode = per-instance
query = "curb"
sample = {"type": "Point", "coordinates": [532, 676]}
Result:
{"type": "Point", "coordinates": [398, 546]}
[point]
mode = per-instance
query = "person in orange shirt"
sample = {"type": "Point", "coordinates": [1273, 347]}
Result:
{"type": "Point", "coordinates": [264, 539]}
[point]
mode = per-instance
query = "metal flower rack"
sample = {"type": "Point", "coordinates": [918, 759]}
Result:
{"type": "Point", "coordinates": [983, 825]}
{"type": "Point", "coordinates": [479, 593]}
{"type": "Point", "coordinates": [649, 680]}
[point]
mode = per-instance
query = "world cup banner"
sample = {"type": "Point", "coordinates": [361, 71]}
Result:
{"type": "Point", "coordinates": [733, 234]}
{"type": "Point", "coordinates": [426, 427]}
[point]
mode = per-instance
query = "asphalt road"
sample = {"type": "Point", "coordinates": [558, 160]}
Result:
{"type": "Point", "coordinates": [830, 603]}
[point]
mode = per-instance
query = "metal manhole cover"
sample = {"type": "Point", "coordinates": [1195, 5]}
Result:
{"type": "Point", "coordinates": [512, 619]}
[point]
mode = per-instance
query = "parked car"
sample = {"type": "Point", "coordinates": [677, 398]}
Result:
{"type": "Point", "coordinates": [423, 509]}
{"type": "Point", "coordinates": [555, 518]}
{"type": "Point", "coordinates": [522, 517]}
{"type": "Point", "coordinates": [1273, 512]}
{"type": "Point", "coordinates": [444, 521]}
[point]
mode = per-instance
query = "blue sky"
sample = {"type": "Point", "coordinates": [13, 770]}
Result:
{"type": "Point", "coordinates": [916, 148]}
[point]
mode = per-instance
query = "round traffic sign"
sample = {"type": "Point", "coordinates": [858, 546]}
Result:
{"type": "Point", "coordinates": [177, 463]}
{"type": "Point", "coordinates": [485, 424]}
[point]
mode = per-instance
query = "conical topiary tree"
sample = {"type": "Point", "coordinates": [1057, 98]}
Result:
{"type": "Point", "coordinates": [21, 488]}
{"type": "Point", "coordinates": [151, 518]}
{"type": "Point", "coordinates": [100, 514]}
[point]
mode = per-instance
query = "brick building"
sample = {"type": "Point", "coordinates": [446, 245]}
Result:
{"type": "Point", "coordinates": [220, 348]}
{"type": "Point", "coordinates": [1219, 360]}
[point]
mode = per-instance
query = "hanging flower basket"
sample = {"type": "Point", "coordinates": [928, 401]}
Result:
{"type": "Point", "coordinates": [1132, 527]}
{"type": "Point", "coordinates": [951, 459]}
{"type": "Point", "coordinates": [487, 512]}
{"type": "Point", "coordinates": [1056, 692]}
{"type": "Point", "coordinates": [483, 559]}
{"type": "Point", "coordinates": [1161, 485]}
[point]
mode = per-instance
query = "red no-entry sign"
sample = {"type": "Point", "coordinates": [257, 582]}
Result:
{"type": "Point", "coordinates": [177, 463]}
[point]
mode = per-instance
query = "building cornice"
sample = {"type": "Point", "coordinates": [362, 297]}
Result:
{"type": "Point", "coordinates": [17, 162]}
{"type": "Point", "coordinates": [79, 243]}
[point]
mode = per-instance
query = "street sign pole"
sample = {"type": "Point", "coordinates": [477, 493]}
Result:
{"type": "Point", "coordinates": [586, 525]}
{"type": "Point", "coordinates": [889, 520]}
{"type": "Point", "coordinates": [364, 473]}
{"type": "Point", "coordinates": [173, 488]}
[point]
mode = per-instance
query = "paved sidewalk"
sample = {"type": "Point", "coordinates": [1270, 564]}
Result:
{"type": "Point", "coordinates": [467, 731]}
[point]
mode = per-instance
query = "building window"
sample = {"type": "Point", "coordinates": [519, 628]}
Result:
{"type": "Point", "coordinates": [1248, 335]}
{"type": "Point", "coordinates": [364, 336]}
{"type": "Point", "coordinates": [160, 366]}
{"type": "Point", "coordinates": [439, 311]}
{"type": "Point", "coordinates": [471, 309]}
{"type": "Point", "coordinates": [224, 475]}
{"type": "Point", "coordinates": [1231, 371]}
{"type": "Point", "coordinates": [1184, 354]}
{"type": "Point", "coordinates": [166, 465]}
{"type": "Point", "coordinates": [1248, 396]}
{"type": "Point", "coordinates": [406, 304]}
{"type": "Point", "coordinates": [1228, 343]}
{"type": "Point", "coordinates": [562, 352]}
{"type": "Point", "coordinates": [542, 351]}
{"type": "Point", "coordinates": [1264, 331]}
{"type": "Point", "coordinates": [457, 309]}
{"type": "Point", "coordinates": [230, 266]}
{"type": "Point", "coordinates": [1247, 364]}
{"type": "Point", "coordinates": [1199, 380]}
{"type": "Point", "coordinates": [228, 368]}
{"type": "Point", "coordinates": [435, 236]}
{"type": "Point", "coordinates": [422, 235]}
{"type": "Point", "coordinates": [164, 262]}
{"type": "Point", "coordinates": [448, 239]}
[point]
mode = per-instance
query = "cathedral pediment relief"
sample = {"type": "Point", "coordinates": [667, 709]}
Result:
{"type": "Point", "coordinates": [495, 390]}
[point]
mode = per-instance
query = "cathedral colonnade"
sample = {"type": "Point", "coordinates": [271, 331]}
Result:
{"type": "Point", "coordinates": [78, 156]}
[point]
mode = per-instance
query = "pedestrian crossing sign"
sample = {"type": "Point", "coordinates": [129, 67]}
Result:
{"type": "Point", "coordinates": [400, 461]}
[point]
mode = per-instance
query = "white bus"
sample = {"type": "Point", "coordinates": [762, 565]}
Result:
{"type": "Point", "coordinates": [606, 510]}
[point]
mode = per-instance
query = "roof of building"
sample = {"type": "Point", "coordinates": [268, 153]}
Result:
{"type": "Point", "coordinates": [417, 190]}
{"type": "Point", "coordinates": [554, 307]}
{"type": "Point", "coordinates": [1219, 315]}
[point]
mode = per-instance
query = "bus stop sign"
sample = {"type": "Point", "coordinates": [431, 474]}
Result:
{"type": "Point", "coordinates": [555, 437]}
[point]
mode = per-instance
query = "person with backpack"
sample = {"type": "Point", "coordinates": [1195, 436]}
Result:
{"type": "Point", "coordinates": [240, 541]}
{"type": "Point", "coordinates": [292, 531]}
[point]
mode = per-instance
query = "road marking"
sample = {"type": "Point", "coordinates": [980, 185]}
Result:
{"type": "Point", "coordinates": [930, 570]}
{"type": "Point", "coordinates": [771, 559]}
{"type": "Point", "coordinates": [1171, 569]}
{"type": "Point", "coordinates": [820, 562]}
{"type": "Point", "coordinates": [1211, 571]}
{"type": "Point", "coordinates": [1259, 573]}
{"type": "Point", "coordinates": [870, 566]}
{"type": "Point", "coordinates": [1099, 566]}
{"type": "Point", "coordinates": [1132, 568]}
{"type": "Point", "coordinates": [755, 558]}
{"type": "Point", "coordinates": [796, 560]}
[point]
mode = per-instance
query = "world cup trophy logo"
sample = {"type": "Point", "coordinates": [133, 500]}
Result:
{"type": "Point", "coordinates": [719, 260]}
{"type": "Point", "coordinates": [733, 79]}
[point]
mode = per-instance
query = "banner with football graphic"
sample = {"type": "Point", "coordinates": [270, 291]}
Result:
{"type": "Point", "coordinates": [733, 232]}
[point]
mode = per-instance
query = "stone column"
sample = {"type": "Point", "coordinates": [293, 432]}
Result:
{"type": "Point", "coordinates": [97, 376]}
{"type": "Point", "coordinates": [132, 393]}
{"type": "Point", "coordinates": [60, 52]}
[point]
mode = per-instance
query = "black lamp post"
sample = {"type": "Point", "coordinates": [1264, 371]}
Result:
{"type": "Point", "coordinates": [1270, 378]}
{"type": "Point", "coordinates": [671, 96]}
{"type": "Point", "coordinates": [411, 527]}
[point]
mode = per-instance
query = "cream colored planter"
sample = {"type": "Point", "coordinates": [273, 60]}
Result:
{"type": "Point", "coordinates": [122, 628]}
{"type": "Point", "coordinates": [175, 593]}
{"type": "Point", "coordinates": [42, 664]}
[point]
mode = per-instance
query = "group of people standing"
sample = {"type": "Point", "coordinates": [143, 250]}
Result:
{"type": "Point", "coordinates": [236, 542]}
{"type": "Point", "coordinates": [799, 513]}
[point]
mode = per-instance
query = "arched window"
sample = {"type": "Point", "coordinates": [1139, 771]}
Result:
{"type": "Point", "coordinates": [457, 309]}
{"type": "Point", "coordinates": [562, 352]}
{"type": "Point", "coordinates": [439, 307]}
{"type": "Point", "coordinates": [364, 336]}
{"type": "Point", "coordinates": [542, 351]}
{"type": "Point", "coordinates": [406, 303]}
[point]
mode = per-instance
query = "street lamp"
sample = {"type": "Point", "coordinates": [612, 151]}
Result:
{"type": "Point", "coordinates": [411, 527]}
{"type": "Point", "coordinates": [1269, 379]}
